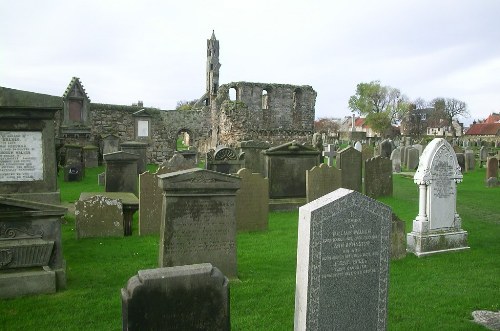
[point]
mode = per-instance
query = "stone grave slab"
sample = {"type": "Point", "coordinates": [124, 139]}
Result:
{"type": "Point", "coordinates": [91, 156]}
{"type": "Point", "coordinates": [470, 161]}
{"type": "Point", "coordinates": [350, 162]}
{"type": "Point", "coordinates": [99, 216]}
{"type": "Point", "coordinates": [252, 202]}
{"type": "Point", "coordinates": [254, 160]}
{"type": "Point", "coordinates": [343, 254]}
{"type": "Point", "coordinates": [321, 180]}
{"type": "Point", "coordinates": [492, 167]}
{"type": "Point", "coordinates": [378, 177]}
{"type": "Point", "coordinates": [396, 160]}
{"type": "Point", "coordinates": [121, 172]}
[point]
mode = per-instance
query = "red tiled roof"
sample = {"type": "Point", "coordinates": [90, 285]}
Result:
{"type": "Point", "coordinates": [359, 122]}
{"type": "Point", "coordinates": [493, 118]}
{"type": "Point", "coordinates": [484, 129]}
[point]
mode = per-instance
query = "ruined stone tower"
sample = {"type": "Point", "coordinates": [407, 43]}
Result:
{"type": "Point", "coordinates": [213, 66]}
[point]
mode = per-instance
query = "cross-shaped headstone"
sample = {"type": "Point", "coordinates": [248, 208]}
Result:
{"type": "Point", "coordinates": [330, 153]}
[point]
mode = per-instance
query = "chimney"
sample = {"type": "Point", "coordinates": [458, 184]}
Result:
{"type": "Point", "coordinates": [140, 103]}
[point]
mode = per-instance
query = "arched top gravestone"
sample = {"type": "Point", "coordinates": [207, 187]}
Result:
{"type": "Point", "coordinates": [437, 160]}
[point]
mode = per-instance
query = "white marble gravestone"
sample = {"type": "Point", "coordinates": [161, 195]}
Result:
{"type": "Point", "coordinates": [437, 228]}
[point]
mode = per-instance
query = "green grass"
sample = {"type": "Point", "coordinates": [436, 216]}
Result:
{"type": "Point", "coordinates": [433, 293]}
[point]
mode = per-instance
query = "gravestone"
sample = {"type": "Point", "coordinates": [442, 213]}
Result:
{"type": "Point", "coordinates": [140, 149]}
{"type": "Point", "coordinates": [28, 166]}
{"type": "Point", "coordinates": [101, 179]}
{"type": "Point", "coordinates": [321, 180]}
{"type": "Point", "coordinates": [398, 238]}
{"type": "Point", "coordinates": [350, 162]}
{"type": "Point", "coordinates": [492, 167]}
{"type": "Point", "coordinates": [419, 147]}
{"type": "Point", "coordinates": [483, 156]}
{"type": "Point", "coordinates": [437, 228]}
{"type": "Point", "coordinates": [73, 172]}
{"type": "Point", "coordinates": [403, 155]}
{"type": "Point", "coordinates": [121, 172]}
{"type": "Point", "coordinates": [412, 158]}
{"type": "Point", "coordinates": [190, 155]}
{"type": "Point", "coordinates": [358, 146]}
{"type": "Point", "coordinates": [396, 160]}
{"type": "Point", "coordinates": [225, 160]}
{"type": "Point", "coordinates": [367, 153]}
{"type": "Point", "coordinates": [378, 177]}
{"type": "Point", "coordinates": [343, 253]}
{"type": "Point", "coordinates": [74, 154]}
{"type": "Point", "coordinates": [461, 161]}
{"type": "Point", "coordinates": [98, 216]}
{"type": "Point", "coordinates": [198, 219]}
{"type": "Point", "coordinates": [110, 144]}
{"type": "Point", "coordinates": [329, 153]}
{"type": "Point", "coordinates": [151, 195]}
{"type": "Point", "coordinates": [254, 160]}
{"type": "Point", "coordinates": [189, 297]}
{"type": "Point", "coordinates": [385, 148]}
{"type": "Point", "coordinates": [252, 202]}
{"type": "Point", "coordinates": [91, 156]}
{"type": "Point", "coordinates": [470, 162]}
{"type": "Point", "coordinates": [31, 259]}
{"type": "Point", "coordinates": [285, 166]}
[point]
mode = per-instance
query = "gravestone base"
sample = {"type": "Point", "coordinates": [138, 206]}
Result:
{"type": "Point", "coordinates": [286, 204]}
{"type": "Point", "coordinates": [27, 282]}
{"type": "Point", "coordinates": [423, 244]}
{"type": "Point", "coordinates": [52, 198]}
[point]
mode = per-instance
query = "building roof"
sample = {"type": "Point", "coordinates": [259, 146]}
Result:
{"type": "Point", "coordinates": [75, 81]}
{"type": "Point", "coordinates": [484, 129]}
{"type": "Point", "coordinates": [360, 122]}
{"type": "Point", "coordinates": [493, 118]}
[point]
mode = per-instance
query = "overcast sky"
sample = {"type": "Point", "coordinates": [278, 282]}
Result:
{"type": "Point", "coordinates": [155, 51]}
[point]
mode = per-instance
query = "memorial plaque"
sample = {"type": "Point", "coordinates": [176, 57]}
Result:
{"type": "Point", "coordinates": [342, 263]}
{"type": "Point", "coordinates": [21, 156]}
{"type": "Point", "coordinates": [142, 128]}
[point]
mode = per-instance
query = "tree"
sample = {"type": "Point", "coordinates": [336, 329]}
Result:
{"type": "Point", "coordinates": [326, 125]}
{"type": "Point", "coordinates": [382, 105]}
{"type": "Point", "coordinates": [185, 105]}
{"type": "Point", "coordinates": [450, 108]}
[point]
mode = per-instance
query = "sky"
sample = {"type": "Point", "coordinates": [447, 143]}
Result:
{"type": "Point", "coordinates": [155, 51]}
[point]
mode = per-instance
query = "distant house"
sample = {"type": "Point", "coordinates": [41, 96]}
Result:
{"type": "Point", "coordinates": [486, 130]}
{"type": "Point", "coordinates": [356, 128]}
{"type": "Point", "coordinates": [426, 121]}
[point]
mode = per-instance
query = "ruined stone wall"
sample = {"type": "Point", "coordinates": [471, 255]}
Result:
{"type": "Point", "coordinates": [274, 112]}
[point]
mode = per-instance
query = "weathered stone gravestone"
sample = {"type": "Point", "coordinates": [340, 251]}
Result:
{"type": "Point", "coordinates": [189, 297]}
{"type": "Point", "coordinates": [396, 160]}
{"type": "Point", "coordinates": [101, 179]}
{"type": "Point", "coordinates": [98, 216]}
{"type": "Point", "coordinates": [329, 153]}
{"type": "Point", "coordinates": [461, 161]}
{"type": "Point", "coordinates": [140, 149]}
{"type": "Point", "coordinates": [31, 259]}
{"type": "Point", "coordinates": [367, 153]}
{"type": "Point", "coordinates": [225, 160]}
{"type": "Point", "coordinates": [110, 144]}
{"type": "Point", "coordinates": [403, 155]}
{"type": "Point", "coordinates": [398, 238]}
{"type": "Point", "coordinates": [254, 160]}
{"type": "Point", "coordinates": [342, 263]}
{"type": "Point", "coordinates": [385, 148]}
{"type": "Point", "coordinates": [350, 162]}
{"type": "Point", "coordinates": [190, 155]}
{"type": "Point", "coordinates": [151, 195]}
{"type": "Point", "coordinates": [252, 202]}
{"type": "Point", "coordinates": [412, 158]}
{"type": "Point", "coordinates": [28, 167]}
{"type": "Point", "coordinates": [470, 161]}
{"type": "Point", "coordinates": [420, 148]}
{"type": "Point", "coordinates": [358, 146]}
{"type": "Point", "coordinates": [492, 168]}
{"type": "Point", "coordinates": [483, 156]}
{"type": "Point", "coordinates": [121, 172]}
{"type": "Point", "coordinates": [286, 166]}
{"type": "Point", "coordinates": [91, 156]}
{"type": "Point", "coordinates": [198, 219]}
{"type": "Point", "coordinates": [321, 180]}
{"type": "Point", "coordinates": [74, 169]}
{"type": "Point", "coordinates": [437, 228]}
{"type": "Point", "coordinates": [378, 177]}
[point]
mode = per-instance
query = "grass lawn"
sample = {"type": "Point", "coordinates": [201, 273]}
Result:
{"type": "Point", "coordinates": [432, 293]}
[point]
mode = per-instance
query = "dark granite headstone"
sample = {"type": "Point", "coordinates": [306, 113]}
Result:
{"type": "Point", "coordinates": [350, 162]}
{"type": "Point", "coordinates": [378, 177]}
{"type": "Point", "coordinates": [190, 297]}
{"type": "Point", "coordinates": [343, 255]}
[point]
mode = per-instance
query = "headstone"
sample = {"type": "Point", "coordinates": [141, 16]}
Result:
{"type": "Point", "coordinates": [385, 148]}
{"type": "Point", "coordinates": [329, 153]}
{"type": "Point", "coordinates": [378, 177]}
{"type": "Point", "coordinates": [140, 149]}
{"type": "Point", "coordinates": [151, 195]}
{"type": "Point", "coordinates": [483, 156]}
{"type": "Point", "coordinates": [396, 160]}
{"type": "Point", "coordinates": [252, 202]}
{"type": "Point", "coordinates": [198, 219]}
{"type": "Point", "coordinates": [110, 144]}
{"type": "Point", "coordinates": [470, 161]}
{"type": "Point", "coordinates": [461, 161]}
{"type": "Point", "coordinates": [285, 166]}
{"type": "Point", "coordinates": [28, 166]}
{"type": "Point", "coordinates": [73, 172]}
{"type": "Point", "coordinates": [350, 162]}
{"type": "Point", "coordinates": [225, 160]}
{"type": "Point", "coordinates": [367, 152]}
{"type": "Point", "coordinates": [492, 167]}
{"type": "Point", "coordinates": [343, 255]}
{"type": "Point", "coordinates": [98, 216]}
{"type": "Point", "coordinates": [121, 172]}
{"type": "Point", "coordinates": [358, 146]}
{"type": "Point", "coordinates": [412, 158]}
{"type": "Point", "coordinates": [31, 259]}
{"type": "Point", "coordinates": [321, 180]}
{"type": "Point", "coordinates": [189, 297]}
{"type": "Point", "coordinates": [254, 160]}
{"type": "Point", "coordinates": [437, 228]}
{"type": "Point", "coordinates": [420, 148]}
{"type": "Point", "coordinates": [91, 156]}
{"type": "Point", "coordinates": [74, 154]}
{"type": "Point", "coordinates": [403, 155]}
{"type": "Point", "coordinates": [191, 155]}
{"type": "Point", "coordinates": [398, 238]}
{"type": "Point", "coordinates": [101, 179]}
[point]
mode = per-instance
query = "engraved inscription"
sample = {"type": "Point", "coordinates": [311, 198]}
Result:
{"type": "Point", "coordinates": [21, 156]}
{"type": "Point", "coordinates": [442, 173]}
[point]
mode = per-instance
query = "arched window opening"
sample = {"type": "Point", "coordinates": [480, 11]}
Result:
{"type": "Point", "coordinates": [265, 99]}
{"type": "Point", "coordinates": [183, 140]}
{"type": "Point", "coordinates": [233, 94]}
{"type": "Point", "coordinates": [297, 99]}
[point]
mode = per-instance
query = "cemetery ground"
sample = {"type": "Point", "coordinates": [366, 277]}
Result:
{"type": "Point", "coordinates": [437, 292]}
